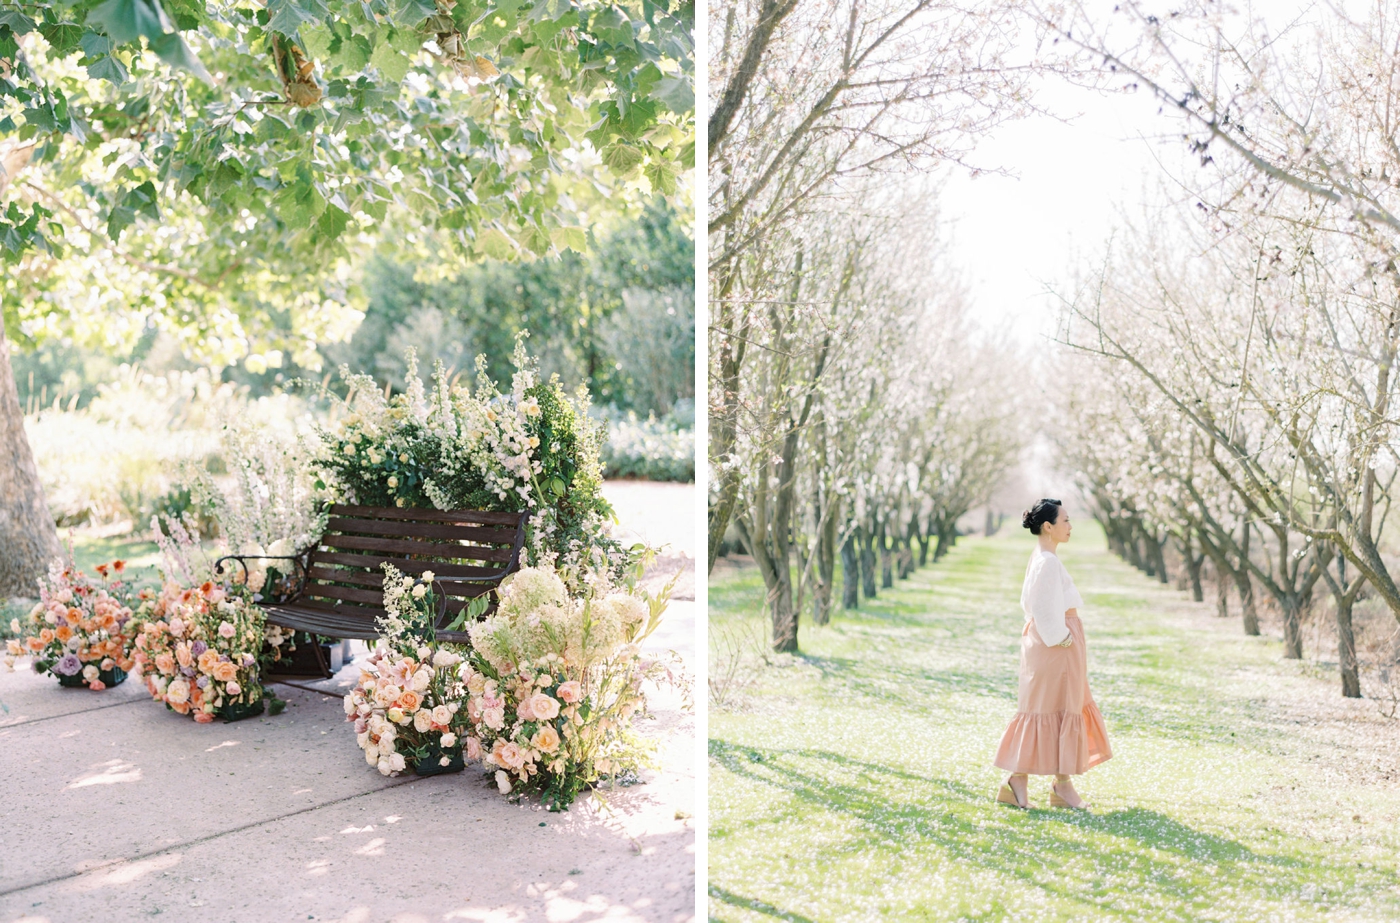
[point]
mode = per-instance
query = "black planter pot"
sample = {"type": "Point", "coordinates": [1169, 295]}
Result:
{"type": "Point", "coordinates": [302, 662]}
{"type": "Point", "coordinates": [237, 711]}
{"type": "Point", "coordinates": [431, 763]}
{"type": "Point", "coordinates": [113, 677]}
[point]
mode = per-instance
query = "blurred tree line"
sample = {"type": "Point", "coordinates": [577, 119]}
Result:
{"type": "Point", "coordinates": [620, 318]}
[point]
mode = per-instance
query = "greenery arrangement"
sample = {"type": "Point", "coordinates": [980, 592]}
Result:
{"type": "Point", "coordinates": [531, 448]}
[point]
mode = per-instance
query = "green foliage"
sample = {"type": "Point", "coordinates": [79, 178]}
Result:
{"type": "Point", "coordinates": [598, 319]}
{"type": "Point", "coordinates": [231, 211]}
{"type": "Point", "coordinates": [323, 112]}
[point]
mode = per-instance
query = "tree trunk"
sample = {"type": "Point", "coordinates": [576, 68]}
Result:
{"type": "Point", "coordinates": [1292, 629]}
{"type": "Point", "coordinates": [826, 567]}
{"type": "Point", "coordinates": [27, 534]}
{"type": "Point", "coordinates": [1159, 560]}
{"type": "Point", "coordinates": [1346, 649]}
{"type": "Point", "coordinates": [867, 562]}
{"type": "Point", "coordinates": [946, 532]}
{"type": "Point", "coordinates": [1222, 594]}
{"type": "Point", "coordinates": [850, 574]}
{"type": "Point", "coordinates": [1193, 568]}
{"type": "Point", "coordinates": [1246, 588]}
{"type": "Point", "coordinates": [886, 557]}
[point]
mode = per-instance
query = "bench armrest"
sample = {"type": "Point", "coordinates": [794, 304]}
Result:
{"type": "Point", "coordinates": [299, 572]}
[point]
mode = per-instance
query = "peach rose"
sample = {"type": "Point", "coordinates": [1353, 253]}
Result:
{"type": "Point", "coordinates": [97, 685]}
{"type": "Point", "coordinates": [46, 635]}
{"type": "Point", "coordinates": [63, 633]}
{"type": "Point", "coordinates": [473, 748]}
{"type": "Point", "coordinates": [225, 671]}
{"type": "Point", "coordinates": [410, 701]}
{"type": "Point", "coordinates": [508, 754]}
{"type": "Point", "coordinates": [442, 715]}
{"type": "Point", "coordinates": [165, 663]}
{"type": "Point", "coordinates": [544, 707]}
{"type": "Point", "coordinates": [203, 717]}
{"type": "Point", "coordinates": [182, 708]}
{"type": "Point", "coordinates": [178, 693]}
{"type": "Point", "coordinates": [524, 710]}
{"type": "Point", "coordinates": [570, 692]}
{"type": "Point", "coordinates": [546, 739]}
{"type": "Point", "coordinates": [208, 661]}
{"type": "Point", "coordinates": [182, 654]}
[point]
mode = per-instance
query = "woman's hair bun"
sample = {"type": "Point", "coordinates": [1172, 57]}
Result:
{"type": "Point", "coordinates": [1046, 510]}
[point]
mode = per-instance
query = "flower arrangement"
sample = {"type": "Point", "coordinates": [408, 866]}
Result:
{"type": "Point", "coordinates": [79, 631]}
{"type": "Point", "coordinates": [198, 642]}
{"type": "Point", "coordinates": [555, 681]}
{"type": "Point", "coordinates": [407, 705]}
{"type": "Point", "coordinates": [533, 448]}
{"type": "Point", "coordinates": [198, 651]}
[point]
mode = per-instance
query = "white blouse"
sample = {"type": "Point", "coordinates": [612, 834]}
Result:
{"type": "Point", "coordinates": [1047, 593]}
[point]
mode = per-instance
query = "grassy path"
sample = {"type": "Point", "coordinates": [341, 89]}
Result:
{"type": "Point", "coordinates": [854, 782]}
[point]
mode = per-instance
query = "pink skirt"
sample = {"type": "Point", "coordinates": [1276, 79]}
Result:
{"type": "Point", "coordinates": [1057, 728]}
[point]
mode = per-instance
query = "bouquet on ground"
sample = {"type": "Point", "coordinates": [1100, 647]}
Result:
{"type": "Point", "coordinates": [408, 704]}
{"type": "Point", "coordinates": [198, 650]}
{"type": "Point", "coordinates": [199, 640]}
{"type": "Point", "coordinates": [80, 630]}
{"type": "Point", "coordinates": [554, 683]}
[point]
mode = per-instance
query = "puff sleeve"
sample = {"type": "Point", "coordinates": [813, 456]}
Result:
{"type": "Point", "coordinates": [1043, 598]}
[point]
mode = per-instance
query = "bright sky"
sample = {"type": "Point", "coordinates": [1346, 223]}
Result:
{"type": "Point", "coordinates": [1014, 235]}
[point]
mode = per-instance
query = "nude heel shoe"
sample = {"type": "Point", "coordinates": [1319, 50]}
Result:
{"type": "Point", "coordinates": [1057, 802]}
{"type": "Point", "coordinates": [1006, 796]}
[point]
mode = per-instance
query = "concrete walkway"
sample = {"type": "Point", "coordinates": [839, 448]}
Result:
{"type": "Point", "coordinates": [116, 809]}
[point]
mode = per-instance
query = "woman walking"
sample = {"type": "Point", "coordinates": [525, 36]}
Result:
{"type": "Point", "coordinates": [1057, 729]}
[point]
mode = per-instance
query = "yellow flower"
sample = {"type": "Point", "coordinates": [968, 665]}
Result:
{"type": "Point", "coordinates": [393, 481]}
{"type": "Point", "coordinates": [404, 458]}
{"type": "Point", "coordinates": [400, 502]}
{"type": "Point", "coordinates": [349, 448]}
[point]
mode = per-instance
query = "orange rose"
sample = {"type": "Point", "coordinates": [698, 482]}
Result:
{"type": "Point", "coordinates": [208, 660]}
{"type": "Point", "coordinates": [410, 701]}
{"type": "Point", "coordinates": [181, 707]}
{"type": "Point", "coordinates": [225, 671]}
{"type": "Point", "coordinates": [75, 615]}
{"type": "Point", "coordinates": [63, 633]}
{"type": "Point", "coordinates": [46, 635]}
{"type": "Point", "coordinates": [34, 644]}
{"type": "Point", "coordinates": [203, 717]}
{"type": "Point", "coordinates": [165, 663]}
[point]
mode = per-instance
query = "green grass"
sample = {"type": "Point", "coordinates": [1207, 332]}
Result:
{"type": "Point", "coordinates": [855, 782]}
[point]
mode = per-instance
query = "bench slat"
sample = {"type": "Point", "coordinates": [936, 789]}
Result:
{"type": "Point", "coordinates": [373, 562]}
{"type": "Point", "coordinates": [426, 549]}
{"type": "Point", "coordinates": [487, 536]}
{"type": "Point", "coordinates": [417, 515]}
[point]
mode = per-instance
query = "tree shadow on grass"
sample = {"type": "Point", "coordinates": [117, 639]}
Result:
{"type": "Point", "coordinates": [1088, 860]}
{"type": "Point", "coordinates": [763, 907]}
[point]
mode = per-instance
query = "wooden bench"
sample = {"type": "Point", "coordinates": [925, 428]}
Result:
{"type": "Point", "coordinates": [336, 587]}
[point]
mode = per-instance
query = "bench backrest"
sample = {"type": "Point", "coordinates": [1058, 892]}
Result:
{"type": "Point", "coordinates": [344, 575]}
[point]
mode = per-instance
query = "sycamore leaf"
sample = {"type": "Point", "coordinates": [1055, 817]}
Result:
{"type": "Point", "coordinates": [495, 244]}
{"type": "Point", "coordinates": [126, 20]}
{"type": "Point", "coordinates": [392, 63]}
{"type": "Point", "coordinates": [675, 93]}
{"type": "Point", "coordinates": [621, 158]}
{"type": "Point", "coordinates": [575, 239]}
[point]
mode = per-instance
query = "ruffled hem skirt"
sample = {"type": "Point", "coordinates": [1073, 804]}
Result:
{"type": "Point", "coordinates": [1057, 727]}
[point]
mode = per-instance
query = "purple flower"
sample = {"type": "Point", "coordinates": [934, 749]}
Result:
{"type": "Point", "coordinates": [198, 648]}
{"type": "Point", "coordinates": [68, 664]}
{"type": "Point", "coordinates": [187, 671]}
{"type": "Point", "coordinates": [202, 682]}
{"type": "Point", "coordinates": [223, 658]}
{"type": "Point", "coordinates": [249, 660]}
{"type": "Point", "coordinates": [61, 621]}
